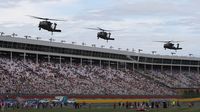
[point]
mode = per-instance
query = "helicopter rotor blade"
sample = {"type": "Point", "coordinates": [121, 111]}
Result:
{"type": "Point", "coordinates": [98, 28]}
{"type": "Point", "coordinates": [38, 17]}
{"type": "Point", "coordinates": [104, 29]}
{"type": "Point", "coordinates": [162, 41]}
{"type": "Point", "coordinates": [101, 29]}
{"type": "Point", "coordinates": [93, 28]}
{"type": "Point", "coordinates": [171, 41]}
{"type": "Point", "coordinates": [45, 18]}
{"type": "Point", "coordinates": [57, 19]}
{"type": "Point", "coordinates": [176, 41]}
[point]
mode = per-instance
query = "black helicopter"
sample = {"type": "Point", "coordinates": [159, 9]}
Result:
{"type": "Point", "coordinates": [171, 45]}
{"type": "Point", "coordinates": [103, 34]}
{"type": "Point", "coordinates": [48, 25]}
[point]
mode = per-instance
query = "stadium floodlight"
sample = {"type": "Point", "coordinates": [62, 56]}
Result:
{"type": "Point", "coordinates": [190, 55]}
{"type": "Point", "coordinates": [83, 43]}
{"type": "Point", "coordinates": [27, 36]}
{"type": "Point", "coordinates": [139, 50]}
{"type": "Point", "coordinates": [13, 34]}
{"type": "Point", "coordinates": [102, 46]}
{"type": "Point", "coordinates": [37, 38]}
{"type": "Point", "coordinates": [73, 42]}
{"type": "Point", "coordinates": [2, 33]}
{"type": "Point", "coordinates": [51, 40]}
{"type": "Point", "coordinates": [153, 52]}
{"type": "Point", "coordinates": [62, 41]}
{"type": "Point", "coordinates": [111, 47]}
{"type": "Point", "coordinates": [127, 49]}
{"type": "Point", "coordinates": [173, 53]}
{"type": "Point", "coordinates": [133, 50]}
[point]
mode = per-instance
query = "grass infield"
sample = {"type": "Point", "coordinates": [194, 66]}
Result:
{"type": "Point", "coordinates": [195, 109]}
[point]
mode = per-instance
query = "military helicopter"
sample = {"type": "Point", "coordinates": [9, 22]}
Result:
{"type": "Point", "coordinates": [103, 34]}
{"type": "Point", "coordinates": [47, 24]}
{"type": "Point", "coordinates": [171, 45]}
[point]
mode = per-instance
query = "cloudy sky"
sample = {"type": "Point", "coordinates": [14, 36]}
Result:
{"type": "Point", "coordinates": [137, 22]}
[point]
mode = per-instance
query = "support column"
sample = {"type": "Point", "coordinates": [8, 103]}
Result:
{"type": "Point", "coordinates": [198, 66]}
{"type": "Point", "coordinates": [117, 65]}
{"type": "Point", "coordinates": [70, 60]}
{"type": "Point", "coordinates": [91, 62]}
{"type": "Point", "coordinates": [24, 57]}
{"type": "Point", "coordinates": [100, 63]}
{"type": "Point", "coordinates": [171, 69]}
{"type": "Point", "coordinates": [60, 61]}
{"type": "Point", "coordinates": [161, 68]}
{"type": "Point", "coordinates": [81, 62]}
{"type": "Point", "coordinates": [11, 56]}
{"type": "Point", "coordinates": [171, 66]}
{"type": "Point", "coordinates": [125, 67]}
{"type": "Point", "coordinates": [108, 64]}
{"type": "Point", "coordinates": [189, 69]}
{"type": "Point", "coordinates": [152, 64]}
{"type": "Point", "coordinates": [36, 58]}
{"type": "Point", "coordinates": [180, 69]}
{"type": "Point", "coordinates": [48, 59]}
{"type": "Point", "coordinates": [133, 66]}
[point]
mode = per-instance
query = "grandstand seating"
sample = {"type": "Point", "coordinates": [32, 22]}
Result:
{"type": "Point", "coordinates": [175, 79]}
{"type": "Point", "coordinates": [28, 77]}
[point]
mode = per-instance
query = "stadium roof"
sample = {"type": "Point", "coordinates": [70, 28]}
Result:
{"type": "Point", "coordinates": [89, 48]}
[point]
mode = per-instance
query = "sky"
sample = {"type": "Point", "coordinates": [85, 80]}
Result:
{"type": "Point", "coordinates": [136, 23]}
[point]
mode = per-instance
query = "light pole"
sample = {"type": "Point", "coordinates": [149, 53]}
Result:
{"type": "Point", "coordinates": [173, 53]}
{"type": "Point", "coordinates": [14, 34]}
{"type": "Point", "coordinates": [153, 52]}
{"type": "Point", "coordinates": [127, 49]}
{"type": "Point", "coordinates": [27, 36]}
{"type": "Point", "coordinates": [37, 38]}
{"type": "Point", "coordinates": [102, 46]}
{"type": "Point", "coordinates": [62, 41]}
{"type": "Point", "coordinates": [190, 55]}
{"type": "Point", "coordinates": [139, 50]}
{"type": "Point", "coordinates": [133, 50]}
{"type": "Point", "coordinates": [2, 33]}
{"type": "Point", "coordinates": [83, 44]}
{"type": "Point", "coordinates": [51, 40]}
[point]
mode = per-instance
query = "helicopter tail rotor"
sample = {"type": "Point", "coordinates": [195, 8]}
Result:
{"type": "Point", "coordinates": [55, 26]}
{"type": "Point", "coordinates": [178, 45]}
{"type": "Point", "coordinates": [109, 34]}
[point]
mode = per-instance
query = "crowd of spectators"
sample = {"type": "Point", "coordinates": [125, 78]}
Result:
{"type": "Point", "coordinates": [176, 78]}
{"type": "Point", "coordinates": [27, 77]}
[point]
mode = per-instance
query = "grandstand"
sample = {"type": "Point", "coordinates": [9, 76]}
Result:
{"type": "Point", "coordinates": [36, 67]}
